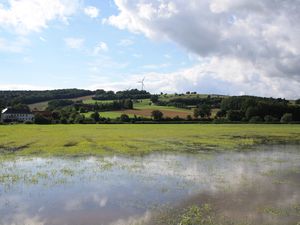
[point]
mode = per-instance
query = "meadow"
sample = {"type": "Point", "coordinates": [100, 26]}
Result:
{"type": "Point", "coordinates": [84, 140]}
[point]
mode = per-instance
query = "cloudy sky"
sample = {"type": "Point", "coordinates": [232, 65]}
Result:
{"type": "Point", "coordinates": [210, 46]}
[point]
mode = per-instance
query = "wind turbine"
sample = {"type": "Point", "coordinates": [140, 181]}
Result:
{"type": "Point", "coordinates": [142, 82]}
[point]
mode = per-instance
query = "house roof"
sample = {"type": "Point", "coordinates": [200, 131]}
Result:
{"type": "Point", "coordinates": [15, 111]}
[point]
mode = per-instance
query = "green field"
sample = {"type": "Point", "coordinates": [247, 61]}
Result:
{"type": "Point", "coordinates": [73, 140]}
{"type": "Point", "coordinates": [145, 104]}
{"type": "Point", "coordinates": [109, 114]}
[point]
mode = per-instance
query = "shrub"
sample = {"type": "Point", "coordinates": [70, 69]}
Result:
{"type": "Point", "coordinates": [234, 115]}
{"type": "Point", "coordinates": [189, 117]}
{"type": "Point", "coordinates": [286, 118]}
{"type": "Point", "coordinates": [154, 98]}
{"type": "Point", "coordinates": [270, 119]}
{"type": "Point", "coordinates": [157, 115]}
{"type": "Point", "coordinates": [255, 119]}
{"type": "Point", "coordinates": [124, 118]}
{"type": "Point", "coordinates": [40, 119]}
{"type": "Point", "coordinates": [28, 122]}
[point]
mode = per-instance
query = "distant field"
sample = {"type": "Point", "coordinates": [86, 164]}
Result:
{"type": "Point", "coordinates": [71, 140]}
{"type": "Point", "coordinates": [143, 108]}
{"type": "Point", "coordinates": [43, 105]}
{"type": "Point", "coordinates": [111, 114]}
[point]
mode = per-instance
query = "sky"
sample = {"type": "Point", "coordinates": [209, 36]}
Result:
{"type": "Point", "coordinates": [232, 47]}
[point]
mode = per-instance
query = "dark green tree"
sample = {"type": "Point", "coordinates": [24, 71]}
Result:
{"type": "Point", "coordinates": [286, 118]}
{"type": "Point", "coordinates": [196, 113]}
{"type": "Point", "coordinates": [95, 116]}
{"type": "Point", "coordinates": [204, 110]}
{"type": "Point", "coordinates": [154, 98]}
{"type": "Point", "coordinates": [124, 118]}
{"type": "Point", "coordinates": [234, 115]}
{"type": "Point", "coordinates": [157, 115]}
{"type": "Point", "coordinates": [40, 119]}
{"type": "Point", "coordinates": [251, 112]}
{"type": "Point", "coordinates": [270, 119]}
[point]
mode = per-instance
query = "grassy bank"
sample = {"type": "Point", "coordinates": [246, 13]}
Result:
{"type": "Point", "coordinates": [72, 140]}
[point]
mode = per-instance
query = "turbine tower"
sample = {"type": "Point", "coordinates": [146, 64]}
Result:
{"type": "Point", "coordinates": [142, 83]}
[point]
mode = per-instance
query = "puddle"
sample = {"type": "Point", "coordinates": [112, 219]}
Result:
{"type": "Point", "coordinates": [259, 187]}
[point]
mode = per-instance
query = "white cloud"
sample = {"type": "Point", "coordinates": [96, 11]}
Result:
{"type": "Point", "coordinates": [74, 43]}
{"type": "Point", "coordinates": [33, 15]}
{"type": "Point", "coordinates": [15, 46]}
{"type": "Point", "coordinates": [155, 66]}
{"type": "Point", "coordinates": [27, 60]}
{"type": "Point", "coordinates": [10, 86]}
{"type": "Point", "coordinates": [91, 11]}
{"type": "Point", "coordinates": [43, 39]}
{"type": "Point", "coordinates": [102, 63]}
{"type": "Point", "coordinates": [136, 55]}
{"type": "Point", "coordinates": [258, 40]}
{"type": "Point", "coordinates": [167, 56]}
{"type": "Point", "coordinates": [100, 47]}
{"type": "Point", "coordinates": [126, 42]}
{"type": "Point", "coordinates": [215, 76]}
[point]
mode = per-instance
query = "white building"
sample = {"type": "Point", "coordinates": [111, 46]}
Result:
{"type": "Point", "coordinates": [13, 115]}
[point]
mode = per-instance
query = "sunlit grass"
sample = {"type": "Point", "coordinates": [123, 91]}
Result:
{"type": "Point", "coordinates": [138, 139]}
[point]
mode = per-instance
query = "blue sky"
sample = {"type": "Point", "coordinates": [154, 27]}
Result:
{"type": "Point", "coordinates": [46, 60]}
{"type": "Point", "coordinates": [210, 46]}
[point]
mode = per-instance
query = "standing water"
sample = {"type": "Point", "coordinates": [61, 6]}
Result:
{"type": "Point", "coordinates": [260, 187]}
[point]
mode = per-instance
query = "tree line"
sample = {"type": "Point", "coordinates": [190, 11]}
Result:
{"type": "Point", "coordinates": [11, 98]}
{"type": "Point", "coordinates": [127, 94]}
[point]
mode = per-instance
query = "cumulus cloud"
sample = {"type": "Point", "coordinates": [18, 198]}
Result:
{"type": "Point", "coordinates": [33, 15]}
{"type": "Point", "coordinates": [100, 47]}
{"type": "Point", "coordinates": [91, 11]}
{"type": "Point", "coordinates": [260, 38]}
{"type": "Point", "coordinates": [226, 76]}
{"type": "Point", "coordinates": [74, 43]}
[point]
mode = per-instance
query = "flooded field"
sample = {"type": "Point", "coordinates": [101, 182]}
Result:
{"type": "Point", "coordinates": [257, 187]}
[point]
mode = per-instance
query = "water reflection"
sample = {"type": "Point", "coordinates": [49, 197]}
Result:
{"type": "Point", "coordinates": [125, 190]}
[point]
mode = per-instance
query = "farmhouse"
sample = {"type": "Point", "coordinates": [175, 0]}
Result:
{"type": "Point", "coordinates": [14, 115]}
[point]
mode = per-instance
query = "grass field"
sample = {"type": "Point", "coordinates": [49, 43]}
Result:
{"type": "Point", "coordinates": [110, 114]}
{"type": "Point", "coordinates": [73, 140]}
{"type": "Point", "coordinates": [144, 109]}
{"type": "Point", "coordinates": [43, 105]}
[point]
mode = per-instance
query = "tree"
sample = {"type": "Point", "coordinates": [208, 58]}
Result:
{"type": "Point", "coordinates": [286, 118]}
{"type": "Point", "coordinates": [255, 119]}
{"type": "Point", "coordinates": [234, 115]}
{"type": "Point", "coordinates": [79, 118]}
{"type": "Point", "coordinates": [196, 113]}
{"type": "Point", "coordinates": [270, 119]}
{"type": "Point", "coordinates": [251, 112]}
{"type": "Point", "coordinates": [124, 118]}
{"type": "Point", "coordinates": [297, 101]}
{"type": "Point", "coordinates": [157, 115]}
{"type": "Point", "coordinates": [154, 98]}
{"type": "Point", "coordinates": [189, 117]}
{"type": "Point", "coordinates": [221, 113]}
{"type": "Point", "coordinates": [21, 107]}
{"type": "Point", "coordinates": [128, 104]}
{"type": "Point", "coordinates": [95, 116]}
{"type": "Point", "coordinates": [204, 110]}
{"type": "Point", "coordinates": [40, 119]}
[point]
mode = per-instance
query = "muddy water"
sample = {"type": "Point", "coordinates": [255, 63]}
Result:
{"type": "Point", "coordinates": [258, 187]}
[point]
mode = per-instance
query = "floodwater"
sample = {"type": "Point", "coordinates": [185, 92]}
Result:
{"type": "Point", "coordinates": [257, 187]}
